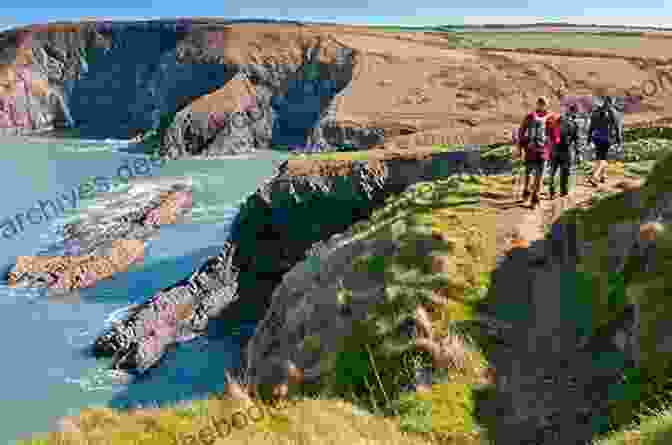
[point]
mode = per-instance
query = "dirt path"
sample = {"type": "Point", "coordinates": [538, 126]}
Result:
{"type": "Point", "coordinates": [547, 391]}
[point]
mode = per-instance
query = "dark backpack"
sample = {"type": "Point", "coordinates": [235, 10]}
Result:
{"type": "Point", "coordinates": [606, 125]}
{"type": "Point", "coordinates": [569, 131]}
{"type": "Point", "coordinates": [535, 133]}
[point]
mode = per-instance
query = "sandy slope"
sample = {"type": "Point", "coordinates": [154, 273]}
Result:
{"type": "Point", "coordinates": [418, 82]}
{"type": "Point", "coordinates": [423, 92]}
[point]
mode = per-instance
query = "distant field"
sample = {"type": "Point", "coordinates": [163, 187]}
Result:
{"type": "Point", "coordinates": [554, 40]}
{"type": "Point", "coordinates": [530, 39]}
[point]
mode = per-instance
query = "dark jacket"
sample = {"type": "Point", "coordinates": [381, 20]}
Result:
{"type": "Point", "coordinates": [601, 121]}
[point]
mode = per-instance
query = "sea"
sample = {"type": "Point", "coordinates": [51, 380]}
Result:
{"type": "Point", "coordinates": [45, 372]}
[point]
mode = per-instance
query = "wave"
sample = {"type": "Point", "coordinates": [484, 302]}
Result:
{"type": "Point", "coordinates": [92, 145]}
{"type": "Point", "coordinates": [213, 213]}
{"type": "Point", "coordinates": [118, 316]}
{"type": "Point", "coordinates": [101, 378]}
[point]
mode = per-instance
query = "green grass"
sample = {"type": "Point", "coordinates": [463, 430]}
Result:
{"type": "Point", "coordinates": [553, 40]}
{"type": "Point", "coordinates": [528, 39]}
{"type": "Point", "coordinates": [651, 429]}
{"type": "Point", "coordinates": [646, 149]}
{"type": "Point", "coordinates": [606, 294]}
{"type": "Point", "coordinates": [369, 367]}
{"type": "Point", "coordinates": [447, 207]}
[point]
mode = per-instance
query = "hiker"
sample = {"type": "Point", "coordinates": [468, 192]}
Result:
{"type": "Point", "coordinates": [565, 151]}
{"type": "Point", "coordinates": [605, 131]}
{"type": "Point", "coordinates": [537, 135]}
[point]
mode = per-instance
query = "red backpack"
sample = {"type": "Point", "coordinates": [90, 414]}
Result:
{"type": "Point", "coordinates": [535, 132]}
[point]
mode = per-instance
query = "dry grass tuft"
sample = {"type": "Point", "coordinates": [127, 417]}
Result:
{"type": "Point", "coordinates": [650, 231]}
{"type": "Point", "coordinates": [453, 353]}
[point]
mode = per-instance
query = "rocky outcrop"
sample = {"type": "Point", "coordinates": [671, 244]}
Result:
{"type": "Point", "coordinates": [289, 214]}
{"type": "Point", "coordinates": [290, 101]}
{"type": "Point", "coordinates": [273, 231]}
{"type": "Point", "coordinates": [307, 316]}
{"type": "Point", "coordinates": [108, 237]}
{"type": "Point", "coordinates": [305, 308]}
{"type": "Point", "coordinates": [191, 80]}
{"type": "Point", "coordinates": [176, 314]}
{"type": "Point", "coordinates": [75, 272]}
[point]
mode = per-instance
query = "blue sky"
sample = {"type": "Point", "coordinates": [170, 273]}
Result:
{"type": "Point", "coordinates": [617, 12]}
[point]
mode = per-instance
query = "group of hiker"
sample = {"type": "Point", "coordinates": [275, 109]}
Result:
{"type": "Point", "coordinates": [562, 139]}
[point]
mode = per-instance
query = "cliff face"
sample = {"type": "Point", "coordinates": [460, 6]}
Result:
{"type": "Point", "coordinates": [233, 88]}
{"type": "Point", "coordinates": [624, 236]}
{"type": "Point", "coordinates": [289, 214]}
{"type": "Point", "coordinates": [276, 226]}
{"type": "Point", "coordinates": [283, 93]}
{"type": "Point", "coordinates": [106, 80]}
{"type": "Point", "coordinates": [303, 84]}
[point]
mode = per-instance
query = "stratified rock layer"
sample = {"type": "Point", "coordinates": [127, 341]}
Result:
{"type": "Point", "coordinates": [273, 231]}
{"type": "Point", "coordinates": [108, 238]}
{"type": "Point", "coordinates": [75, 272]}
{"type": "Point", "coordinates": [175, 314]}
{"type": "Point", "coordinates": [209, 90]}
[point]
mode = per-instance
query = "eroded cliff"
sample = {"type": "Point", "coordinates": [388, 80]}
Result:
{"type": "Point", "coordinates": [211, 88]}
{"type": "Point", "coordinates": [275, 227]}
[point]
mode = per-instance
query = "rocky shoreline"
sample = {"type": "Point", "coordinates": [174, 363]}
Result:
{"type": "Point", "coordinates": [205, 92]}
{"type": "Point", "coordinates": [108, 237]}
{"type": "Point", "coordinates": [291, 98]}
{"type": "Point", "coordinates": [267, 238]}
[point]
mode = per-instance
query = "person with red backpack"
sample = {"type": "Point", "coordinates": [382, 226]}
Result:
{"type": "Point", "coordinates": [538, 133]}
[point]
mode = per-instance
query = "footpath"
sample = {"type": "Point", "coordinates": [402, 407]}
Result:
{"type": "Point", "coordinates": [547, 391]}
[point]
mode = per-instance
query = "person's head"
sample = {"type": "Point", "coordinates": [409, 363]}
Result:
{"type": "Point", "coordinates": [542, 103]}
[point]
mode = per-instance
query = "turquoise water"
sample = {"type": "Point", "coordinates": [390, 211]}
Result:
{"type": "Point", "coordinates": [45, 374]}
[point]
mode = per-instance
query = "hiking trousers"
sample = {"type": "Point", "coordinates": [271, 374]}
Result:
{"type": "Point", "coordinates": [564, 164]}
{"type": "Point", "coordinates": [536, 167]}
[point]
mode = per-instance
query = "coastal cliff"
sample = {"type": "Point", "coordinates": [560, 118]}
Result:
{"type": "Point", "coordinates": [210, 88]}
{"type": "Point", "coordinates": [292, 260]}
{"type": "Point", "coordinates": [275, 227]}
{"type": "Point", "coordinates": [575, 308]}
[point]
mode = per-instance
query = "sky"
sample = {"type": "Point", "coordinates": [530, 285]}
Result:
{"type": "Point", "coordinates": [433, 12]}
